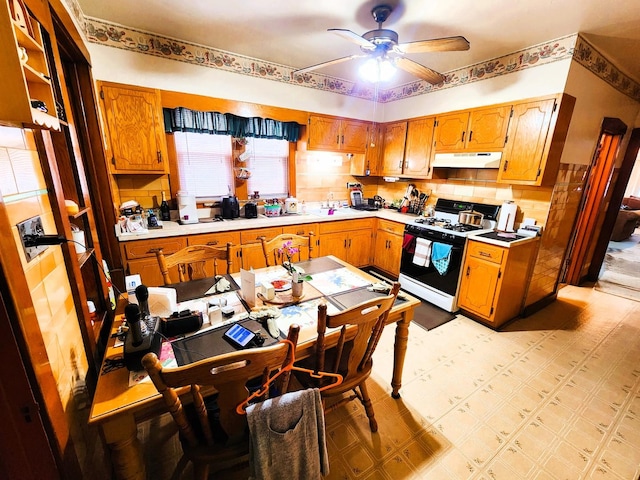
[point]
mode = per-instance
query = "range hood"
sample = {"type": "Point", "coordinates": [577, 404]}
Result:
{"type": "Point", "coordinates": [467, 160]}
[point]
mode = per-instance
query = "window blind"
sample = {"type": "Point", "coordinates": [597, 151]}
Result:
{"type": "Point", "coordinates": [204, 164]}
{"type": "Point", "coordinates": [269, 166]}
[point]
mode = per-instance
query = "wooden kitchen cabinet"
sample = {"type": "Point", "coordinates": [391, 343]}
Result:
{"type": "Point", "coordinates": [251, 247]}
{"type": "Point", "coordinates": [133, 120]}
{"type": "Point", "coordinates": [494, 280]}
{"type": "Point", "coordinates": [477, 130]}
{"type": "Point", "coordinates": [407, 148]}
{"type": "Point", "coordinates": [395, 137]}
{"type": "Point", "coordinates": [349, 240]}
{"type": "Point", "coordinates": [25, 78]}
{"type": "Point", "coordinates": [388, 246]}
{"type": "Point", "coordinates": [417, 150]}
{"type": "Point", "coordinates": [140, 258]}
{"type": "Point", "coordinates": [369, 163]}
{"type": "Point", "coordinates": [336, 134]}
{"type": "Point", "coordinates": [219, 240]}
{"type": "Point", "coordinates": [535, 140]}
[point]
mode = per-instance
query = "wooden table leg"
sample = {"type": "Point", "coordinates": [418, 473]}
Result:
{"type": "Point", "coordinates": [120, 435]}
{"type": "Point", "coordinates": [399, 352]}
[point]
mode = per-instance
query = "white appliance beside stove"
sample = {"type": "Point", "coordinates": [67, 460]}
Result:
{"type": "Point", "coordinates": [439, 286]}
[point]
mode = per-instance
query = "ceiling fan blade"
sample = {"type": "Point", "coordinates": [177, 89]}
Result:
{"type": "Point", "coordinates": [326, 64]}
{"type": "Point", "coordinates": [447, 44]}
{"type": "Point", "coordinates": [353, 37]}
{"type": "Point", "coordinates": [421, 71]}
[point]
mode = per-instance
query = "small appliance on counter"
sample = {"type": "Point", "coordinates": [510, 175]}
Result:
{"type": "Point", "coordinates": [187, 208]}
{"type": "Point", "coordinates": [230, 207]}
{"type": "Point", "coordinates": [291, 205]}
{"type": "Point", "coordinates": [507, 216]}
{"type": "Point", "coordinates": [250, 210]}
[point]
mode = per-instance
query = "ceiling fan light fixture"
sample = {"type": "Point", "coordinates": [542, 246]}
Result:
{"type": "Point", "coordinates": [377, 69]}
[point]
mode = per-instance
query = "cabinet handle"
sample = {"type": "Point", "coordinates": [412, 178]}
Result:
{"type": "Point", "coordinates": [345, 243]}
{"type": "Point", "coordinates": [342, 139]}
{"type": "Point", "coordinates": [462, 139]}
{"type": "Point", "coordinates": [338, 139]}
{"type": "Point", "coordinates": [504, 168]}
{"type": "Point", "coordinates": [400, 165]}
{"type": "Point", "coordinates": [470, 135]}
{"type": "Point", "coordinates": [468, 270]}
{"type": "Point", "coordinates": [159, 153]}
{"type": "Point", "coordinates": [300, 232]}
{"type": "Point", "coordinates": [485, 254]}
{"type": "Point", "coordinates": [214, 242]}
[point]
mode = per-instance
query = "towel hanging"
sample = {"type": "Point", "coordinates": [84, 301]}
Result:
{"type": "Point", "coordinates": [409, 243]}
{"type": "Point", "coordinates": [422, 252]}
{"type": "Point", "coordinates": [440, 257]}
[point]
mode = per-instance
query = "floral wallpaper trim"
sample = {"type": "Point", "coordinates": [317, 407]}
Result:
{"type": "Point", "coordinates": [590, 58]}
{"type": "Point", "coordinates": [570, 47]}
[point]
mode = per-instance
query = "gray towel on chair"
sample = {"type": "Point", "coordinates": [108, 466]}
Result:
{"type": "Point", "coordinates": [287, 437]}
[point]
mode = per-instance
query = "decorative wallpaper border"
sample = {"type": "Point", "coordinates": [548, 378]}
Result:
{"type": "Point", "coordinates": [570, 47]}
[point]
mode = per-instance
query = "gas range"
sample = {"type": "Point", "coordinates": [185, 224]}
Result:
{"type": "Point", "coordinates": [445, 219]}
{"type": "Point", "coordinates": [418, 274]}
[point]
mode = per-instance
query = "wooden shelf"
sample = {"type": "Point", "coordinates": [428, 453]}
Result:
{"type": "Point", "coordinates": [81, 212]}
{"type": "Point", "coordinates": [83, 257]}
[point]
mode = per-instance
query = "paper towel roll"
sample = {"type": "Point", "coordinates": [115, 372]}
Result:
{"type": "Point", "coordinates": [507, 216]}
{"type": "Point", "coordinates": [78, 238]}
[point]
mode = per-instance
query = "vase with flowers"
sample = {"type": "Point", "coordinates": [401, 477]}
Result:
{"type": "Point", "coordinates": [287, 251]}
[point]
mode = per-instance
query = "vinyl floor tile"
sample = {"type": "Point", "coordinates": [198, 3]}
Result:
{"type": "Point", "coordinates": [554, 396]}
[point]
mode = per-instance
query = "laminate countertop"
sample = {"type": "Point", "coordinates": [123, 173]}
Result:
{"type": "Point", "coordinates": [175, 229]}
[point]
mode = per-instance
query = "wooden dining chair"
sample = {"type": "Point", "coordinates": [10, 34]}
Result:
{"type": "Point", "coordinates": [192, 260]}
{"type": "Point", "coordinates": [352, 358]}
{"type": "Point", "coordinates": [212, 433]}
{"type": "Point", "coordinates": [271, 248]}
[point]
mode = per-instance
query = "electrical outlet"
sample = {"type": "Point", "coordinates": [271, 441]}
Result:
{"type": "Point", "coordinates": [33, 226]}
{"type": "Point", "coordinates": [354, 185]}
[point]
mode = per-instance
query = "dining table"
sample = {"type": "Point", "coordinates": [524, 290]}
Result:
{"type": "Point", "coordinates": [123, 398]}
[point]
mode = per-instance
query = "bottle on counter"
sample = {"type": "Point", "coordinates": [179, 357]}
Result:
{"type": "Point", "coordinates": [165, 213]}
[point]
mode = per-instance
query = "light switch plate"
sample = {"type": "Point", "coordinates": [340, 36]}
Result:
{"type": "Point", "coordinates": [32, 226]}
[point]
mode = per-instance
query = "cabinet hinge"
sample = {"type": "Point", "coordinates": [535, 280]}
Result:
{"type": "Point", "coordinates": [555, 105]}
{"type": "Point", "coordinates": [491, 311]}
{"type": "Point", "coordinates": [511, 113]}
{"type": "Point", "coordinates": [102, 94]}
{"type": "Point", "coordinates": [499, 273]}
{"type": "Point", "coordinates": [506, 139]}
{"type": "Point", "coordinates": [538, 174]}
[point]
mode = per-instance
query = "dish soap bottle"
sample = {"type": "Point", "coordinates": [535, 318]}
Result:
{"type": "Point", "coordinates": [165, 214]}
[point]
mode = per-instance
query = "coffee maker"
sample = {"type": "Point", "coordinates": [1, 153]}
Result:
{"type": "Point", "coordinates": [230, 207]}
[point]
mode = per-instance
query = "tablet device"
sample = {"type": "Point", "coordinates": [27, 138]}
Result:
{"type": "Point", "coordinates": [239, 336]}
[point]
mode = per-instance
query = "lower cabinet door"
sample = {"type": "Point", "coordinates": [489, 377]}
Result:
{"type": "Point", "coordinates": [478, 286]}
{"type": "Point", "coordinates": [387, 252]}
{"type": "Point", "coordinates": [149, 271]}
{"type": "Point", "coordinates": [359, 248]}
{"type": "Point", "coordinates": [334, 244]}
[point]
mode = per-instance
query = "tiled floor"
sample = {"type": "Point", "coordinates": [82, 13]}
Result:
{"type": "Point", "coordinates": [552, 396]}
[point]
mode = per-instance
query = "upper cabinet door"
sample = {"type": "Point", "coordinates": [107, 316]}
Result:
{"type": "Point", "coordinates": [136, 134]}
{"type": "Point", "coordinates": [324, 133]}
{"type": "Point", "coordinates": [395, 135]}
{"type": "Point", "coordinates": [488, 128]}
{"type": "Point", "coordinates": [527, 136]}
{"type": "Point", "coordinates": [417, 152]}
{"type": "Point", "coordinates": [451, 132]}
{"type": "Point", "coordinates": [353, 137]}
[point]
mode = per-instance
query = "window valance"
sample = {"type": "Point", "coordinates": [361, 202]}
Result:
{"type": "Point", "coordinates": [214, 123]}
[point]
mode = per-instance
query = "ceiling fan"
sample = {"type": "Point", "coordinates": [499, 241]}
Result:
{"type": "Point", "coordinates": [382, 46]}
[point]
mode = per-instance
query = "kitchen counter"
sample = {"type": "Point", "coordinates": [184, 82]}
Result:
{"type": "Point", "coordinates": [175, 229]}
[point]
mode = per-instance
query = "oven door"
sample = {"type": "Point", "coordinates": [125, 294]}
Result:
{"type": "Point", "coordinates": [447, 283]}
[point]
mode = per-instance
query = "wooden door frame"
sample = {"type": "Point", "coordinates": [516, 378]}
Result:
{"type": "Point", "coordinates": [617, 195]}
{"type": "Point", "coordinates": [598, 179]}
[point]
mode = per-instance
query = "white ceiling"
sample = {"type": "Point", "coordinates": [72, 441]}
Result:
{"type": "Point", "coordinates": [294, 32]}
